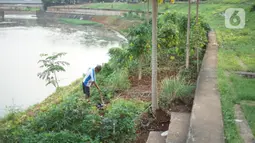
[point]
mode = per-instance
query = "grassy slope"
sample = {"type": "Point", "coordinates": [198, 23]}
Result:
{"type": "Point", "coordinates": [236, 53]}
{"type": "Point", "coordinates": [31, 9]}
{"type": "Point", "coordinates": [78, 22]}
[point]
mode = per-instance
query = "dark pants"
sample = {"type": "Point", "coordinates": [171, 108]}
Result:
{"type": "Point", "coordinates": [86, 90]}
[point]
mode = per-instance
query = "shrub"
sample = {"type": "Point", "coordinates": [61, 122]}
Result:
{"type": "Point", "coordinates": [56, 137]}
{"type": "Point", "coordinates": [118, 80]}
{"type": "Point", "coordinates": [173, 88]}
{"type": "Point", "coordinates": [167, 7]}
{"type": "Point", "coordinates": [253, 8]}
{"type": "Point", "coordinates": [119, 58]}
{"type": "Point", "coordinates": [118, 125]}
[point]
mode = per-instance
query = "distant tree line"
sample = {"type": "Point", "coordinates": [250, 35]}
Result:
{"type": "Point", "coordinates": [47, 3]}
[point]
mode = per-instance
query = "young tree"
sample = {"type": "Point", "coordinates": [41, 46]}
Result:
{"type": "Point", "coordinates": [154, 56]}
{"type": "Point", "coordinates": [139, 39]}
{"type": "Point", "coordinates": [188, 38]}
{"type": "Point", "coordinates": [52, 66]}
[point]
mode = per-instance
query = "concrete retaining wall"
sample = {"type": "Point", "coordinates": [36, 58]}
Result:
{"type": "Point", "coordinates": [54, 15]}
{"type": "Point", "coordinates": [206, 123]}
{"type": "Point", "coordinates": [86, 11]}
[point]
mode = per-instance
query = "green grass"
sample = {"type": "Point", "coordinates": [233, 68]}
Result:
{"type": "Point", "coordinates": [228, 100]}
{"type": "Point", "coordinates": [31, 9]}
{"type": "Point", "coordinates": [236, 47]}
{"type": "Point", "coordinates": [117, 6]}
{"type": "Point", "coordinates": [249, 112]}
{"type": "Point", "coordinates": [78, 22]}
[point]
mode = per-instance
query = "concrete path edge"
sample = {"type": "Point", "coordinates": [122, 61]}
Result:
{"type": "Point", "coordinates": [206, 123]}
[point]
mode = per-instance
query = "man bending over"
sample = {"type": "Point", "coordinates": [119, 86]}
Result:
{"type": "Point", "coordinates": [89, 80]}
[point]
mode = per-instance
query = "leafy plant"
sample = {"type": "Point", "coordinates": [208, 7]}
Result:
{"type": "Point", "coordinates": [118, 124]}
{"type": "Point", "coordinates": [52, 66]}
{"type": "Point", "coordinates": [118, 80]}
{"type": "Point", "coordinates": [119, 58]}
{"type": "Point", "coordinates": [173, 88]}
{"type": "Point", "coordinates": [253, 8]}
{"type": "Point", "coordinates": [64, 136]}
{"type": "Point", "coordinates": [139, 44]}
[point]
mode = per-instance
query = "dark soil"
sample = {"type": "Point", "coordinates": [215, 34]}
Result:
{"type": "Point", "coordinates": [182, 105]}
{"type": "Point", "coordinates": [142, 85]}
{"type": "Point", "coordinates": [149, 123]}
{"type": "Point", "coordinates": [140, 89]}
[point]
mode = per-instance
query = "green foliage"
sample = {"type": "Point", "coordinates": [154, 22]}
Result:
{"type": "Point", "coordinates": [198, 36]}
{"type": "Point", "coordinates": [118, 125]}
{"type": "Point", "coordinates": [172, 37]}
{"type": "Point", "coordinates": [252, 8]}
{"type": "Point", "coordinates": [75, 120]}
{"type": "Point", "coordinates": [79, 22]}
{"type": "Point", "coordinates": [132, 15]}
{"type": "Point", "coordinates": [119, 58]}
{"type": "Point", "coordinates": [115, 81]}
{"type": "Point", "coordinates": [52, 66]}
{"type": "Point", "coordinates": [249, 112]}
{"type": "Point", "coordinates": [118, 80]}
{"type": "Point", "coordinates": [173, 88]}
{"type": "Point", "coordinates": [139, 38]}
{"type": "Point", "coordinates": [64, 136]}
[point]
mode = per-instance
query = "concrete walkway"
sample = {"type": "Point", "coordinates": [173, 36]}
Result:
{"type": "Point", "coordinates": [206, 124]}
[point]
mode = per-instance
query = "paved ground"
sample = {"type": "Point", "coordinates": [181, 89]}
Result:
{"type": "Point", "coordinates": [179, 127]}
{"type": "Point", "coordinates": [206, 124]}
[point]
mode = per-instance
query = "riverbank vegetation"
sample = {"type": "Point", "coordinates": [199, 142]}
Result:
{"type": "Point", "coordinates": [78, 22]}
{"type": "Point", "coordinates": [65, 116]}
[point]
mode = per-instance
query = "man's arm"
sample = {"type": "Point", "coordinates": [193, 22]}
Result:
{"type": "Point", "coordinates": [96, 86]}
{"type": "Point", "coordinates": [93, 79]}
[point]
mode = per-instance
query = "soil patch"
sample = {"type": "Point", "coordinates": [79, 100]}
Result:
{"type": "Point", "coordinates": [142, 85]}
{"type": "Point", "coordinates": [182, 105]}
{"type": "Point", "coordinates": [149, 123]}
{"type": "Point", "coordinates": [140, 89]}
{"type": "Point", "coordinates": [161, 120]}
{"type": "Point", "coordinates": [114, 22]}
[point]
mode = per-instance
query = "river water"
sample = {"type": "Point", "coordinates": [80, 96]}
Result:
{"type": "Point", "coordinates": [20, 51]}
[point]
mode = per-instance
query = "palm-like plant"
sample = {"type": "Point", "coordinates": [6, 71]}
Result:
{"type": "Point", "coordinates": [52, 66]}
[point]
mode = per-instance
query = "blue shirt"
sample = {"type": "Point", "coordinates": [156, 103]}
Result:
{"type": "Point", "coordinates": [90, 77]}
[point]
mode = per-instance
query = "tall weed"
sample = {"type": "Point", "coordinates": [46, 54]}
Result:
{"type": "Point", "coordinates": [173, 88]}
{"type": "Point", "coordinates": [118, 80]}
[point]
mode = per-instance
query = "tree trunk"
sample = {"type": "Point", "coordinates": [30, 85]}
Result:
{"type": "Point", "coordinates": [188, 38]}
{"type": "Point", "coordinates": [197, 49]}
{"type": "Point", "coordinates": [140, 67]}
{"type": "Point", "coordinates": [154, 56]}
{"type": "Point", "coordinates": [56, 80]}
